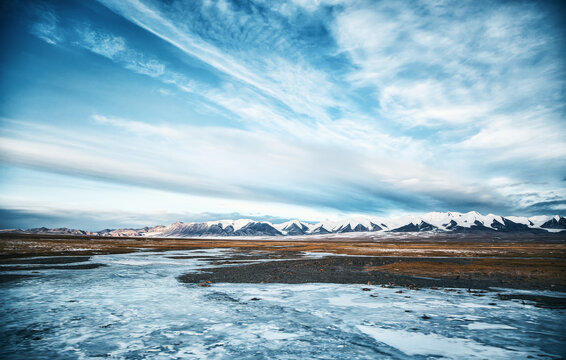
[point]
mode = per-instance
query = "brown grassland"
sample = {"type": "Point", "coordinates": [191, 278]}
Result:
{"type": "Point", "coordinates": [532, 259]}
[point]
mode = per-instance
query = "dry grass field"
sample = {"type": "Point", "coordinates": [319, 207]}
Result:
{"type": "Point", "coordinates": [515, 258]}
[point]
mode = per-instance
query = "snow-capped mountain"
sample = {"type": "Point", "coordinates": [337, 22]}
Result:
{"type": "Point", "coordinates": [435, 221]}
{"type": "Point", "coordinates": [218, 228]}
{"type": "Point", "coordinates": [357, 224]}
{"type": "Point", "coordinates": [293, 227]}
{"type": "Point", "coordinates": [557, 222]}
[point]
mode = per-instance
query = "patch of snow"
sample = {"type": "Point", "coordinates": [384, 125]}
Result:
{"type": "Point", "coordinates": [412, 343]}
{"type": "Point", "coordinates": [487, 326]}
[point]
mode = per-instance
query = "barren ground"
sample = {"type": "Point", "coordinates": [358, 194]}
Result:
{"type": "Point", "coordinates": [456, 260]}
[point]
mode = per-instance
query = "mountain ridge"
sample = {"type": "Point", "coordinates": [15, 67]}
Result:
{"type": "Point", "coordinates": [435, 221]}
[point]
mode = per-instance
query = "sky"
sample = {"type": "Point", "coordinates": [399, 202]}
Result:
{"type": "Point", "coordinates": [127, 113]}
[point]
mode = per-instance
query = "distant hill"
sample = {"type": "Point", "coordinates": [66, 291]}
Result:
{"type": "Point", "coordinates": [431, 222]}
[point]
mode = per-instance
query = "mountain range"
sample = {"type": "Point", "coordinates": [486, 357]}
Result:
{"type": "Point", "coordinates": [434, 221]}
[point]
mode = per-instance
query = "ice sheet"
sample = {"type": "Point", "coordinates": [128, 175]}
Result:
{"type": "Point", "coordinates": [136, 308]}
{"type": "Point", "coordinates": [412, 343]}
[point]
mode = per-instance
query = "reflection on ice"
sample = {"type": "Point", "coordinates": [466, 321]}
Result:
{"type": "Point", "coordinates": [135, 308]}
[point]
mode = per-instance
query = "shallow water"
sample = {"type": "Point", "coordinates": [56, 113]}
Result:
{"type": "Point", "coordinates": [134, 308]}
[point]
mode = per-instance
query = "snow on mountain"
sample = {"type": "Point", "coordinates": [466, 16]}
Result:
{"type": "Point", "coordinates": [556, 222]}
{"type": "Point", "coordinates": [293, 227]}
{"type": "Point", "coordinates": [236, 224]}
{"type": "Point", "coordinates": [356, 224]}
{"type": "Point", "coordinates": [445, 221]}
{"type": "Point", "coordinates": [522, 220]}
{"type": "Point", "coordinates": [463, 222]}
{"type": "Point", "coordinates": [451, 220]}
{"type": "Point", "coordinates": [219, 228]}
{"type": "Point", "coordinates": [433, 221]}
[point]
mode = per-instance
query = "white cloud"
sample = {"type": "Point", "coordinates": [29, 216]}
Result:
{"type": "Point", "coordinates": [436, 65]}
{"type": "Point", "coordinates": [47, 27]}
{"type": "Point", "coordinates": [520, 136]}
{"type": "Point", "coordinates": [429, 103]}
{"type": "Point", "coordinates": [312, 5]}
{"type": "Point", "coordinates": [151, 68]}
{"type": "Point", "coordinates": [138, 128]}
{"type": "Point", "coordinates": [116, 49]}
{"type": "Point", "coordinates": [302, 88]}
{"type": "Point", "coordinates": [103, 44]}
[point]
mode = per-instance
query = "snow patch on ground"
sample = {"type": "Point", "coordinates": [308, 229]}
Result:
{"type": "Point", "coordinates": [412, 343]}
{"type": "Point", "coordinates": [486, 326]}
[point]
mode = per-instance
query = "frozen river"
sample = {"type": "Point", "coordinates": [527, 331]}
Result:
{"type": "Point", "coordinates": [135, 308]}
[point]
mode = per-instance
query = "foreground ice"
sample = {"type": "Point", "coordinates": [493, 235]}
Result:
{"type": "Point", "coordinates": [135, 308]}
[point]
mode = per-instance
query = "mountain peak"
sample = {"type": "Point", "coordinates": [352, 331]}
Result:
{"type": "Point", "coordinates": [432, 221]}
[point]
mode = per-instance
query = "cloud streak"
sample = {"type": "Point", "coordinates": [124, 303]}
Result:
{"type": "Point", "coordinates": [304, 175]}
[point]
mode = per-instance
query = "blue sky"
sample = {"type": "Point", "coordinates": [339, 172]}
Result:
{"type": "Point", "coordinates": [139, 112]}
